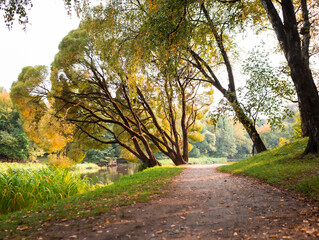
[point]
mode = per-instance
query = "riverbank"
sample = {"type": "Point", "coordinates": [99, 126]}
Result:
{"type": "Point", "coordinates": [132, 189]}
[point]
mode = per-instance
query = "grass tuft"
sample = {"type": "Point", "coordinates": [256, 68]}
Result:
{"type": "Point", "coordinates": [285, 166]}
{"type": "Point", "coordinates": [21, 188]}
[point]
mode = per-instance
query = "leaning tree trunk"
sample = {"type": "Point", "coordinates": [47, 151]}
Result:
{"type": "Point", "coordinates": [229, 94]}
{"type": "Point", "coordinates": [248, 124]}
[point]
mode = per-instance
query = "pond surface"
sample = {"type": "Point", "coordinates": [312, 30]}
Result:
{"type": "Point", "coordinates": [111, 174]}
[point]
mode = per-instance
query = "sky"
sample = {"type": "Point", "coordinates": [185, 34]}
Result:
{"type": "Point", "coordinates": [49, 23]}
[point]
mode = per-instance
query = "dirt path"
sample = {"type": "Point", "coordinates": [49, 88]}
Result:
{"type": "Point", "coordinates": [204, 204]}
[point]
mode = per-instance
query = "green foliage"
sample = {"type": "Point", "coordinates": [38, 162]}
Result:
{"type": "Point", "coordinates": [284, 166]}
{"type": "Point", "coordinates": [222, 140]}
{"type": "Point", "coordinates": [14, 143]}
{"type": "Point", "coordinates": [271, 135]}
{"type": "Point", "coordinates": [94, 156]}
{"type": "Point", "coordinates": [225, 141]}
{"type": "Point", "coordinates": [103, 156]}
{"type": "Point", "coordinates": [267, 90]}
{"type": "Point", "coordinates": [25, 188]}
{"type": "Point", "coordinates": [139, 187]}
{"type": "Point", "coordinates": [12, 9]}
{"type": "Point", "coordinates": [195, 153]}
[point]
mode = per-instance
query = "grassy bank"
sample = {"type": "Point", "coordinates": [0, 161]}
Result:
{"type": "Point", "coordinates": [129, 189]}
{"type": "Point", "coordinates": [284, 166]}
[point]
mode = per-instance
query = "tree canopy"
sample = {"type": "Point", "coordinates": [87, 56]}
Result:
{"type": "Point", "coordinates": [109, 100]}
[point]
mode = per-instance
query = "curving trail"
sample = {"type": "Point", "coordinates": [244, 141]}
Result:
{"type": "Point", "coordinates": [204, 204]}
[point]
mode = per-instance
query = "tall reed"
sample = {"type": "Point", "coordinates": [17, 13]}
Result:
{"type": "Point", "coordinates": [20, 188]}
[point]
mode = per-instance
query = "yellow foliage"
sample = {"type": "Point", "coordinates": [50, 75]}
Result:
{"type": "Point", "coordinates": [196, 137]}
{"type": "Point", "coordinates": [54, 133]}
{"type": "Point", "coordinates": [190, 147]}
{"type": "Point", "coordinates": [60, 161]}
{"type": "Point", "coordinates": [283, 141]}
{"type": "Point", "coordinates": [5, 102]}
{"type": "Point", "coordinates": [197, 127]}
{"type": "Point", "coordinates": [76, 153]}
{"type": "Point", "coordinates": [128, 155]}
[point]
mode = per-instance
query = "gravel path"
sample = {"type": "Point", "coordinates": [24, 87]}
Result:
{"type": "Point", "coordinates": [205, 204]}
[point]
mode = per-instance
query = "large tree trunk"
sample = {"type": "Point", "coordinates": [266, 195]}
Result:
{"type": "Point", "coordinates": [303, 122]}
{"type": "Point", "coordinates": [298, 61]}
{"type": "Point", "coordinates": [308, 100]}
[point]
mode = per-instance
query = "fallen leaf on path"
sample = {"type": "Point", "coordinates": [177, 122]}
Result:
{"type": "Point", "coordinates": [64, 219]}
{"type": "Point", "coordinates": [217, 230]}
{"type": "Point", "coordinates": [303, 229]}
{"type": "Point", "coordinates": [22, 228]}
{"type": "Point", "coordinates": [99, 231]}
{"type": "Point", "coordinates": [183, 217]}
{"type": "Point", "coordinates": [273, 236]}
{"type": "Point", "coordinates": [311, 231]}
{"type": "Point", "coordinates": [159, 231]}
{"type": "Point", "coordinates": [73, 236]}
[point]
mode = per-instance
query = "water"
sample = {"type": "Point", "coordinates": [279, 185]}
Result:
{"type": "Point", "coordinates": [111, 174]}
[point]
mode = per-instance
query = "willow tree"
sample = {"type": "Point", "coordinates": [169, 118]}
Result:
{"type": "Point", "coordinates": [101, 94]}
{"type": "Point", "coordinates": [52, 134]}
{"type": "Point", "coordinates": [193, 31]}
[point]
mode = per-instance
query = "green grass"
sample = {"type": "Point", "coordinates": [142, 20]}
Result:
{"type": "Point", "coordinates": [21, 188]}
{"type": "Point", "coordinates": [4, 166]}
{"type": "Point", "coordinates": [138, 187]}
{"type": "Point", "coordinates": [201, 160]}
{"type": "Point", "coordinates": [284, 166]}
